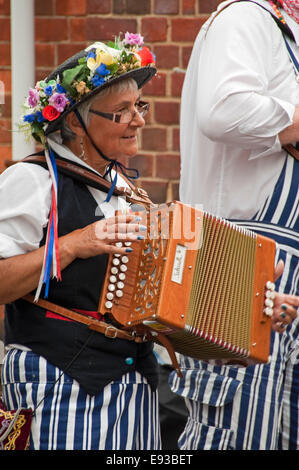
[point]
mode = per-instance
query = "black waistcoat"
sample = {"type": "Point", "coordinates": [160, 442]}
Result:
{"type": "Point", "coordinates": [102, 360]}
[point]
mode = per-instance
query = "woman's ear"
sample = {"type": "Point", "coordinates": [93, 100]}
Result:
{"type": "Point", "coordinates": [74, 124]}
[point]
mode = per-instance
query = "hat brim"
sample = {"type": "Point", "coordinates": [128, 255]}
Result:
{"type": "Point", "coordinates": [141, 75]}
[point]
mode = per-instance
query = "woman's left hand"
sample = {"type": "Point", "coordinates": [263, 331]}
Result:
{"type": "Point", "coordinates": [285, 306]}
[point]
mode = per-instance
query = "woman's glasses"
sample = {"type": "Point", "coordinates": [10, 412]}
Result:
{"type": "Point", "coordinates": [125, 116]}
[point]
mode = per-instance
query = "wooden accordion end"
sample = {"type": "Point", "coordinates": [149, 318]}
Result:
{"type": "Point", "coordinates": [198, 279]}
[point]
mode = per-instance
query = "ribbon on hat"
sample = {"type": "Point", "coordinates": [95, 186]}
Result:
{"type": "Point", "coordinates": [113, 164]}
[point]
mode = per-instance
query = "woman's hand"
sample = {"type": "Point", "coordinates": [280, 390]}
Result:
{"type": "Point", "coordinates": [285, 305]}
{"type": "Point", "coordinates": [100, 237]}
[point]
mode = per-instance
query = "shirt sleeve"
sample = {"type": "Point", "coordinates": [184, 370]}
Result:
{"type": "Point", "coordinates": [235, 106]}
{"type": "Point", "coordinates": [25, 198]}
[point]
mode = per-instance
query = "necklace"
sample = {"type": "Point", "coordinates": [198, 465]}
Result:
{"type": "Point", "coordinates": [277, 12]}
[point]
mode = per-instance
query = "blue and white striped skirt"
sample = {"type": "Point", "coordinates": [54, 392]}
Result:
{"type": "Point", "coordinates": [124, 416]}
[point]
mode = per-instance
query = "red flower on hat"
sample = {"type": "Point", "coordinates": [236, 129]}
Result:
{"type": "Point", "coordinates": [50, 113]}
{"type": "Point", "coordinates": [146, 56]}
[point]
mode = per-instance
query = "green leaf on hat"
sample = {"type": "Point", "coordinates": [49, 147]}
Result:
{"type": "Point", "coordinates": [78, 73]}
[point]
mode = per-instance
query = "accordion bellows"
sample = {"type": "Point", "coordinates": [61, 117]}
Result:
{"type": "Point", "coordinates": [200, 280]}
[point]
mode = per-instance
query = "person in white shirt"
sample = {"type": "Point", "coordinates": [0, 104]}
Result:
{"type": "Point", "coordinates": [240, 106]}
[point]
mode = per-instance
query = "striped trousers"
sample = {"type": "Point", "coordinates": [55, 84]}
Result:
{"type": "Point", "coordinates": [124, 416]}
{"type": "Point", "coordinates": [256, 407]}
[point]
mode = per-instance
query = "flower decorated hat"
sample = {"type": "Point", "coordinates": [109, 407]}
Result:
{"type": "Point", "coordinates": [82, 76]}
{"type": "Point", "coordinates": [76, 80]}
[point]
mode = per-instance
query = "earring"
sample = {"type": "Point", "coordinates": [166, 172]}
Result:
{"type": "Point", "coordinates": [82, 155]}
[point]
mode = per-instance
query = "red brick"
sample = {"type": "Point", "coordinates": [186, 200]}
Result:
{"type": "Point", "coordinates": [208, 6]}
{"type": "Point", "coordinates": [186, 52]}
{"type": "Point", "coordinates": [132, 7]}
{"type": "Point", "coordinates": [168, 166]}
{"type": "Point", "coordinates": [156, 190]}
{"type": "Point", "coordinates": [167, 56]}
{"type": "Point", "coordinates": [167, 112]}
{"type": "Point", "coordinates": [45, 55]}
{"type": "Point", "coordinates": [176, 139]}
{"type": "Point", "coordinates": [154, 138]}
{"type": "Point", "coordinates": [154, 29]}
{"type": "Point", "coordinates": [102, 7]}
{"type": "Point", "coordinates": [64, 51]}
{"type": "Point", "coordinates": [156, 86]}
{"type": "Point", "coordinates": [186, 29]}
{"type": "Point", "coordinates": [142, 163]}
{"type": "Point", "coordinates": [69, 7]}
{"type": "Point", "coordinates": [4, 7]}
{"type": "Point", "coordinates": [5, 134]}
{"type": "Point", "coordinates": [51, 29]}
{"type": "Point", "coordinates": [171, 7]}
{"type": "Point", "coordinates": [4, 54]}
{"type": "Point", "coordinates": [177, 80]}
{"type": "Point", "coordinates": [42, 8]}
{"type": "Point", "coordinates": [4, 29]}
{"type": "Point", "coordinates": [103, 29]}
{"type": "Point", "coordinates": [78, 29]}
{"type": "Point", "coordinates": [188, 7]}
{"type": "Point", "coordinates": [5, 154]}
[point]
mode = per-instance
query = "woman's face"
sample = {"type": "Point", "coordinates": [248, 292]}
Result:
{"type": "Point", "coordinates": [114, 139]}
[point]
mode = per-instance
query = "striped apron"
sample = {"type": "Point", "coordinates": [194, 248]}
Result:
{"type": "Point", "coordinates": [122, 417]}
{"type": "Point", "coordinates": [233, 407]}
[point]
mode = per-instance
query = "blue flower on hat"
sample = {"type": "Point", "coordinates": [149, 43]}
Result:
{"type": "Point", "coordinates": [29, 118]}
{"type": "Point", "coordinates": [97, 80]}
{"type": "Point", "coordinates": [48, 90]}
{"type": "Point", "coordinates": [60, 88]}
{"type": "Point", "coordinates": [39, 116]}
{"type": "Point", "coordinates": [102, 70]}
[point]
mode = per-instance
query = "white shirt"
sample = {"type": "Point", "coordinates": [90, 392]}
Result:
{"type": "Point", "coordinates": [25, 201]}
{"type": "Point", "coordinates": [240, 91]}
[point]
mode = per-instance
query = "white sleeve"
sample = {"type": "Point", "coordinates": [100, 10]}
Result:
{"type": "Point", "coordinates": [234, 104]}
{"type": "Point", "coordinates": [25, 199]}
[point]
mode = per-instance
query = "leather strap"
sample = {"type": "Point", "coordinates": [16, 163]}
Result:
{"type": "Point", "coordinates": [290, 149]}
{"type": "Point", "coordinates": [133, 194]}
{"type": "Point", "coordinates": [110, 331]}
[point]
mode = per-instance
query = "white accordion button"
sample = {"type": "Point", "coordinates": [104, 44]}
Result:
{"type": "Point", "coordinates": [119, 293]}
{"type": "Point", "coordinates": [270, 294]}
{"type": "Point", "coordinates": [111, 287]}
{"type": "Point", "coordinates": [269, 303]}
{"type": "Point", "coordinates": [110, 296]}
{"type": "Point", "coordinates": [112, 279]}
{"type": "Point", "coordinates": [120, 285]}
{"type": "Point", "coordinates": [115, 261]}
{"type": "Point", "coordinates": [108, 304]}
{"type": "Point", "coordinates": [128, 243]}
{"type": "Point", "coordinates": [123, 268]}
{"type": "Point", "coordinates": [114, 270]}
{"type": "Point", "coordinates": [270, 285]}
{"type": "Point", "coordinates": [122, 276]}
{"type": "Point", "coordinates": [124, 259]}
{"type": "Point", "coordinates": [119, 244]}
{"type": "Point", "coordinates": [268, 311]}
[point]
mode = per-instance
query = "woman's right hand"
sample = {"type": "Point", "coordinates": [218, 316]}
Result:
{"type": "Point", "coordinates": [100, 237]}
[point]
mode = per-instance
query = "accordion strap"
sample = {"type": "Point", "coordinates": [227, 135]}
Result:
{"type": "Point", "coordinates": [109, 330]}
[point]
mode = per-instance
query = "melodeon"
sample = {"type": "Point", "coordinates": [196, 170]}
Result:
{"type": "Point", "coordinates": [198, 279]}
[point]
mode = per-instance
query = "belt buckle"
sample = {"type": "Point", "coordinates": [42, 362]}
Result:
{"type": "Point", "coordinates": [110, 328]}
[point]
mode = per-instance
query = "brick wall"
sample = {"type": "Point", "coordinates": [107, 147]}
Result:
{"type": "Point", "coordinates": [62, 27]}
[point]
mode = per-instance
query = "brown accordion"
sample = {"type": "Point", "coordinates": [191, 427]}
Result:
{"type": "Point", "coordinates": [200, 280]}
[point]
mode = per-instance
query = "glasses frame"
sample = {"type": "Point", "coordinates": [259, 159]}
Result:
{"type": "Point", "coordinates": [116, 117]}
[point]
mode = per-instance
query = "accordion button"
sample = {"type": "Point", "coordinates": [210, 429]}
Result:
{"type": "Point", "coordinates": [119, 244]}
{"type": "Point", "coordinates": [119, 293]}
{"type": "Point", "coordinates": [112, 279]}
{"type": "Point", "coordinates": [111, 287]}
{"type": "Point", "coordinates": [115, 261]}
{"type": "Point", "coordinates": [120, 285]}
{"type": "Point", "coordinates": [114, 270]}
{"type": "Point", "coordinates": [108, 304]}
{"type": "Point", "coordinates": [123, 268]}
{"type": "Point", "coordinates": [109, 296]}
{"type": "Point", "coordinates": [129, 361]}
{"type": "Point", "coordinates": [125, 259]}
{"type": "Point", "coordinates": [128, 243]}
{"type": "Point", "coordinates": [122, 276]}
